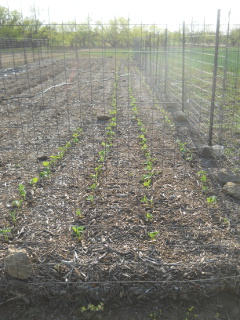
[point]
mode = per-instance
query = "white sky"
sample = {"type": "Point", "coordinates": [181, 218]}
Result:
{"type": "Point", "coordinates": [139, 11]}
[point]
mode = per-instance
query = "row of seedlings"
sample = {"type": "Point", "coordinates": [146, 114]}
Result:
{"type": "Point", "coordinates": [25, 190]}
{"type": "Point", "coordinates": [106, 145]}
{"type": "Point", "coordinates": [146, 179]}
{"type": "Point", "coordinates": [185, 151]}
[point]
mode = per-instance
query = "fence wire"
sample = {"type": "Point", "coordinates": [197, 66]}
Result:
{"type": "Point", "coordinates": [101, 180]}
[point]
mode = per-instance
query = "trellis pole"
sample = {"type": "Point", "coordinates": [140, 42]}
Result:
{"type": "Point", "coordinates": [214, 81]}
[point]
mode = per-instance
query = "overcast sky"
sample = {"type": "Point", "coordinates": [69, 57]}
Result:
{"type": "Point", "coordinates": [139, 11]}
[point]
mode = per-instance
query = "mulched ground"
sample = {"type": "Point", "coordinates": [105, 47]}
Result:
{"type": "Point", "coordinates": [194, 253]}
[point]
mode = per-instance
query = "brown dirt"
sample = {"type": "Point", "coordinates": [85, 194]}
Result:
{"type": "Point", "coordinates": [195, 253]}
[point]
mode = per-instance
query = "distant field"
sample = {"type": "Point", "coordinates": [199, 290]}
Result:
{"type": "Point", "coordinates": [15, 57]}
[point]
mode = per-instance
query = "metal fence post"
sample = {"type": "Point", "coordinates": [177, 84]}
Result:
{"type": "Point", "coordinates": [224, 85]}
{"type": "Point", "coordinates": [214, 82]}
{"type": "Point", "coordinates": [183, 68]}
{"type": "Point", "coordinates": [166, 63]}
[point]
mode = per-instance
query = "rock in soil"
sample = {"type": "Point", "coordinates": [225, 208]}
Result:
{"type": "Point", "coordinates": [232, 189]}
{"type": "Point", "coordinates": [207, 152]}
{"type": "Point", "coordinates": [17, 263]}
{"type": "Point", "coordinates": [226, 175]}
{"type": "Point", "coordinates": [103, 118]}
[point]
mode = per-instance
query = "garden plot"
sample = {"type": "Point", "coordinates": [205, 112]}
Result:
{"type": "Point", "coordinates": [122, 213]}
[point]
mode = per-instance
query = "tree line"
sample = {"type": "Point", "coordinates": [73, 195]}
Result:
{"type": "Point", "coordinates": [118, 32]}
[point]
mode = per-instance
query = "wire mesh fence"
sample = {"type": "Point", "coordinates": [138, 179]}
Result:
{"type": "Point", "coordinates": [183, 68]}
{"type": "Point", "coordinates": [103, 189]}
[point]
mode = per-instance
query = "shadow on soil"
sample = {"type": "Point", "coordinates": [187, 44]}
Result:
{"type": "Point", "coordinates": [223, 306]}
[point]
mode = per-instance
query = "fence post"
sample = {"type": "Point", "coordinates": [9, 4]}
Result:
{"type": "Point", "coordinates": [166, 63]}
{"type": "Point", "coordinates": [183, 68]}
{"type": "Point", "coordinates": [214, 82]}
{"type": "Point", "coordinates": [223, 96]}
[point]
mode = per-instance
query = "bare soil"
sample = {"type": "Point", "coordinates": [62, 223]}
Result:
{"type": "Point", "coordinates": [195, 253]}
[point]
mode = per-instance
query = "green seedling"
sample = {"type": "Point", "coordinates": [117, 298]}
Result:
{"type": "Point", "coordinates": [78, 231]}
{"type": "Point", "coordinates": [46, 163]}
{"type": "Point", "coordinates": [182, 146]}
{"type": "Point", "coordinates": [13, 215]}
{"type": "Point", "coordinates": [94, 176]}
{"type": "Point", "coordinates": [60, 155]}
{"type": "Point", "coordinates": [135, 110]}
{"type": "Point", "coordinates": [204, 189]}
{"type": "Point", "coordinates": [93, 308]}
{"type": "Point", "coordinates": [149, 216]}
{"type": "Point", "coordinates": [113, 124]}
{"type": "Point", "coordinates": [90, 198]}
{"type": "Point", "coordinates": [79, 213]}
{"type": "Point", "coordinates": [227, 221]}
{"type": "Point", "coordinates": [186, 153]}
{"type": "Point", "coordinates": [147, 183]}
{"type": "Point", "coordinates": [149, 166]}
{"type": "Point", "coordinates": [45, 173]}
{"type": "Point", "coordinates": [22, 191]}
{"type": "Point", "coordinates": [146, 177]}
{"type": "Point", "coordinates": [93, 186]}
{"type": "Point", "coordinates": [98, 168]}
{"type": "Point", "coordinates": [212, 199]}
{"type": "Point", "coordinates": [79, 130]}
{"type": "Point", "coordinates": [143, 139]}
{"type": "Point", "coordinates": [102, 155]}
{"type": "Point", "coordinates": [203, 176]}
{"type": "Point", "coordinates": [110, 133]}
{"type": "Point", "coordinates": [5, 233]}
{"type": "Point", "coordinates": [75, 137]}
{"type": "Point", "coordinates": [107, 146]}
{"type": "Point", "coordinates": [144, 199]}
{"type": "Point", "coordinates": [153, 234]}
{"type": "Point", "coordinates": [112, 112]}
{"type": "Point", "coordinates": [54, 159]}
{"type": "Point", "coordinates": [33, 181]}
{"type": "Point", "coordinates": [17, 203]}
{"type": "Point", "coordinates": [67, 145]}
{"type": "Point", "coordinates": [143, 130]}
{"type": "Point", "coordinates": [166, 119]}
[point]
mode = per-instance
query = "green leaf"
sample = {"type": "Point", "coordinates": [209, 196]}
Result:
{"type": "Point", "coordinates": [153, 234]}
{"type": "Point", "coordinates": [149, 216]}
{"type": "Point", "coordinates": [212, 199]}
